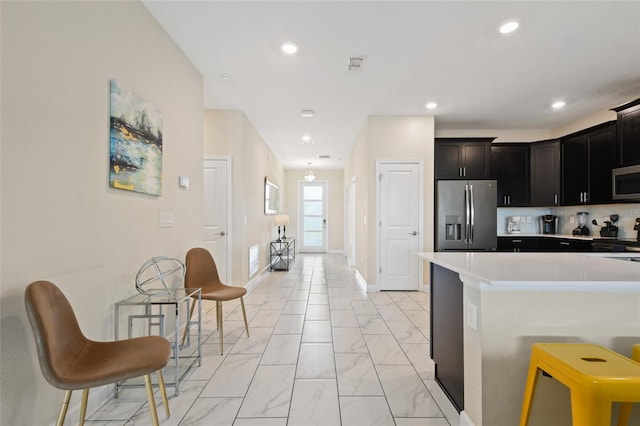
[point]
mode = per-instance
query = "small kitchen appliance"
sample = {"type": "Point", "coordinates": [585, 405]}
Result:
{"type": "Point", "coordinates": [513, 224]}
{"type": "Point", "coordinates": [548, 224]}
{"type": "Point", "coordinates": [582, 228]}
{"type": "Point", "coordinates": [610, 230]}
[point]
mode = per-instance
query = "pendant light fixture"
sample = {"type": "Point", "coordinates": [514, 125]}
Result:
{"type": "Point", "coordinates": [308, 175]}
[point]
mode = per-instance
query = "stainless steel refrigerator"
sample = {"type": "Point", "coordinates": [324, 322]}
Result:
{"type": "Point", "coordinates": [466, 215]}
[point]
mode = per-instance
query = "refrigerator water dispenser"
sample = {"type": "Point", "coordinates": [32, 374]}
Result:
{"type": "Point", "coordinates": [453, 228]}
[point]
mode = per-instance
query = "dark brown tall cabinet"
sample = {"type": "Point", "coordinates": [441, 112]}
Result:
{"type": "Point", "coordinates": [628, 138]}
{"type": "Point", "coordinates": [510, 167]}
{"type": "Point", "coordinates": [545, 173]}
{"type": "Point", "coordinates": [587, 159]}
{"type": "Point", "coordinates": [463, 158]}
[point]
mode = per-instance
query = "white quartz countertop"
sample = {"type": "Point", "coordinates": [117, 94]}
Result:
{"type": "Point", "coordinates": [565, 236]}
{"type": "Point", "coordinates": [556, 271]}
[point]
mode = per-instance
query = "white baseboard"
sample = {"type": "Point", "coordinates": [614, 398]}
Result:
{"type": "Point", "coordinates": [335, 251]}
{"type": "Point", "coordinates": [363, 284]}
{"type": "Point", "coordinates": [257, 279]}
{"type": "Point", "coordinates": [465, 420]}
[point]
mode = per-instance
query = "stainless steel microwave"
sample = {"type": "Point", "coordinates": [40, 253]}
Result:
{"type": "Point", "coordinates": [626, 183]}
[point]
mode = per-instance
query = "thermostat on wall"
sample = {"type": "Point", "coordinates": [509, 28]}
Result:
{"type": "Point", "coordinates": [183, 181]}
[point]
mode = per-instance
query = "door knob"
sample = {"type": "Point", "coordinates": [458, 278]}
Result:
{"type": "Point", "coordinates": [413, 233]}
{"type": "Point", "coordinates": [223, 233]}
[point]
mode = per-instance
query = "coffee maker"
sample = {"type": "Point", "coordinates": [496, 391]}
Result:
{"type": "Point", "coordinates": [582, 228]}
{"type": "Point", "coordinates": [548, 224]}
{"type": "Point", "coordinates": [513, 225]}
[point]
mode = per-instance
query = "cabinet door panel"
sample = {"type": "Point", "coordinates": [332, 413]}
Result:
{"type": "Point", "coordinates": [476, 160]}
{"type": "Point", "coordinates": [602, 151]}
{"type": "Point", "coordinates": [448, 160]}
{"type": "Point", "coordinates": [574, 170]}
{"type": "Point", "coordinates": [545, 173]}
{"type": "Point", "coordinates": [628, 136]}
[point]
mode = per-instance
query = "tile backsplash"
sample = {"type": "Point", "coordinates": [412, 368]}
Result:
{"type": "Point", "coordinates": [567, 219]}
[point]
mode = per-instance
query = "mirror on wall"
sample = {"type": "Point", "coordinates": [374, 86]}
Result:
{"type": "Point", "coordinates": [271, 197]}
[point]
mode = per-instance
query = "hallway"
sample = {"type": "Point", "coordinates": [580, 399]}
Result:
{"type": "Point", "coordinates": [322, 351]}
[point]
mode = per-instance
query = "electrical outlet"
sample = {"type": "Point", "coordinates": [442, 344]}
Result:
{"type": "Point", "coordinates": [471, 315]}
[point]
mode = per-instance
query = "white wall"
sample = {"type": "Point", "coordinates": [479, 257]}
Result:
{"type": "Point", "coordinates": [60, 219]}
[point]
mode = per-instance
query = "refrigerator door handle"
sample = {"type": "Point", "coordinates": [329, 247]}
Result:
{"type": "Point", "coordinates": [467, 216]}
{"type": "Point", "coordinates": [473, 214]}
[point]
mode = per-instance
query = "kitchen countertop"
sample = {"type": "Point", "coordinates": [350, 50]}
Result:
{"type": "Point", "coordinates": [569, 236]}
{"type": "Point", "coordinates": [551, 271]}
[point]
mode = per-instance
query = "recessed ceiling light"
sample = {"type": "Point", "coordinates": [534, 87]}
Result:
{"type": "Point", "coordinates": [306, 113]}
{"type": "Point", "coordinates": [306, 138]}
{"type": "Point", "coordinates": [558, 105]}
{"type": "Point", "coordinates": [509, 27]}
{"type": "Point", "coordinates": [289, 48]}
{"type": "Point", "coordinates": [431, 105]}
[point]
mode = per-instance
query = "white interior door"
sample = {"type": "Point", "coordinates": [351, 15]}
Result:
{"type": "Point", "coordinates": [216, 192]}
{"type": "Point", "coordinates": [312, 210]}
{"type": "Point", "coordinates": [399, 213]}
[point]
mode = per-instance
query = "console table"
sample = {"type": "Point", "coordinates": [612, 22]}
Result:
{"type": "Point", "coordinates": [282, 254]}
{"type": "Point", "coordinates": [153, 310]}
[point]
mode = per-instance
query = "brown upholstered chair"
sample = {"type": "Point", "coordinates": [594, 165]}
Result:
{"type": "Point", "coordinates": [203, 273]}
{"type": "Point", "coordinates": [70, 361]}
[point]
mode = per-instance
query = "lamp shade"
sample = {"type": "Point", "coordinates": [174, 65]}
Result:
{"type": "Point", "coordinates": [281, 220]}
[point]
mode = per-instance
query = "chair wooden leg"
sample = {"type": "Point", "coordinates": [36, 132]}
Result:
{"type": "Point", "coordinates": [244, 315]}
{"type": "Point", "coordinates": [219, 320]}
{"type": "Point", "coordinates": [83, 406]}
{"type": "Point", "coordinates": [186, 327]}
{"type": "Point", "coordinates": [163, 393]}
{"type": "Point", "coordinates": [63, 409]}
{"type": "Point", "coordinates": [152, 401]}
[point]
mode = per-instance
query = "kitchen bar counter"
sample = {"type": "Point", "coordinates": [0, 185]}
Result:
{"type": "Point", "coordinates": [512, 300]}
{"type": "Point", "coordinates": [548, 271]}
{"type": "Point", "coordinates": [569, 236]}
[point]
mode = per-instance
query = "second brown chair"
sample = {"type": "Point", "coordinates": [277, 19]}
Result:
{"type": "Point", "coordinates": [201, 272]}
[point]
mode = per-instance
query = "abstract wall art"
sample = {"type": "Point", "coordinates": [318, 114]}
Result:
{"type": "Point", "coordinates": [135, 143]}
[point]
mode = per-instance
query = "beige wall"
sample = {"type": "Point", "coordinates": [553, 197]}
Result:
{"type": "Point", "coordinates": [388, 138]}
{"type": "Point", "coordinates": [335, 203]}
{"type": "Point", "coordinates": [229, 133]}
{"type": "Point", "coordinates": [60, 219]}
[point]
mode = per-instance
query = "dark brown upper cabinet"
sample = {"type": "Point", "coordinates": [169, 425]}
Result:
{"type": "Point", "coordinates": [463, 158]}
{"type": "Point", "coordinates": [587, 159]}
{"type": "Point", "coordinates": [510, 167]}
{"type": "Point", "coordinates": [545, 173]}
{"type": "Point", "coordinates": [628, 129]}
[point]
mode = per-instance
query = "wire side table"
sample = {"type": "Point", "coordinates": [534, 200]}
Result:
{"type": "Point", "coordinates": [156, 308]}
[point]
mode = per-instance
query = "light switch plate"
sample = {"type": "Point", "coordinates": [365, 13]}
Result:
{"type": "Point", "coordinates": [183, 181]}
{"type": "Point", "coordinates": [167, 219]}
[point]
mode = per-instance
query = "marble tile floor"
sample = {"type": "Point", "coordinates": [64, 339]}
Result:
{"type": "Point", "coordinates": [321, 351]}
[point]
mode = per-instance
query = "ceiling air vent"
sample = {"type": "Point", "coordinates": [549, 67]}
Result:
{"type": "Point", "coordinates": [355, 63]}
{"type": "Point", "coordinates": [323, 157]}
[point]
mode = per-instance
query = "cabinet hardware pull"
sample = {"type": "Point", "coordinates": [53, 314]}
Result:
{"type": "Point", "coordinates": [516, 241]}
{"type": "Point", "coordinates": [555, 198]}
{"type": "Point", "coordinates": [564, 243]}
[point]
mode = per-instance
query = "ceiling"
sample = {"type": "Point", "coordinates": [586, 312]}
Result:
{"type": "Point", "coordinates": [585, 53]}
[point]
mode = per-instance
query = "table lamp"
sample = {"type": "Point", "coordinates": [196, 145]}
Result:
{"type": "Point", "coordinates": [282, 220]}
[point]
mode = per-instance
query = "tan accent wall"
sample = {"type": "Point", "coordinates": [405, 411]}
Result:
{"type": "Point", "coordinates": [229, 133]}
{"type": "Point", "coordinates": [60, 219]}
{"type": "Point", "coordinates": [388, 138]}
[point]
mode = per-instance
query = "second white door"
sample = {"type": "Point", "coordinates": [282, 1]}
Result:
{"type": "Point", "coordinates": [399, 212]}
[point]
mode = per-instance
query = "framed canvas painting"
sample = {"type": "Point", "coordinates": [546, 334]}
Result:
{"type": "Point", "coordinates": [135, 143]}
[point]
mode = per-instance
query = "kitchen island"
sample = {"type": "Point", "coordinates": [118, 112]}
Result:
{"type": "Point", "coordinates": [508, 301]}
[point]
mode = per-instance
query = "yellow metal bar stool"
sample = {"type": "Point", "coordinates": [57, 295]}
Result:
{"type": "Point", "coordinates": [595, 375]}
{"type": "Point", "coordinates": [625, 408]}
